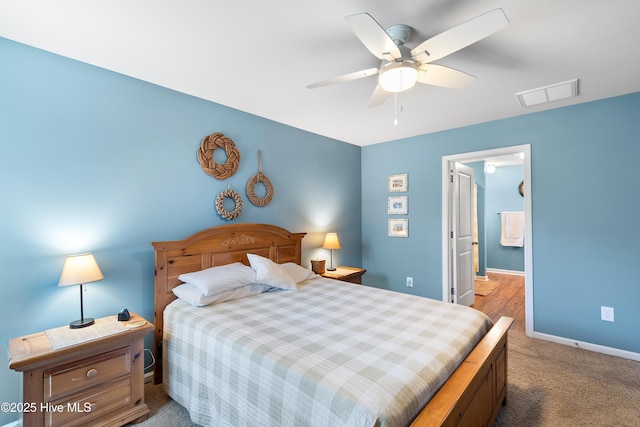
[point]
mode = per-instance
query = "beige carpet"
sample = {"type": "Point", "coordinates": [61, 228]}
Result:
{"type": "Point", "coordinates": [549, 385]}
{"type": "Point", "coordinates": [164, 411]}
{"type": "Point", "coordinates": [557, 385]}
{"type": "Point", "coordinates": [485, 287]}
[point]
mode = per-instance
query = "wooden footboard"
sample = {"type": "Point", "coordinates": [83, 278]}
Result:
{"type": "Point", "coordinates": [473, 395]}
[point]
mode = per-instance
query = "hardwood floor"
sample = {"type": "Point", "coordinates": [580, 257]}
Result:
{"type": "Point", "coordinates": [505, 300]}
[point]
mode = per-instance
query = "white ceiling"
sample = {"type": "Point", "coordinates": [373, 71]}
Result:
{"type": "Point", "coordinates": [257, 56]}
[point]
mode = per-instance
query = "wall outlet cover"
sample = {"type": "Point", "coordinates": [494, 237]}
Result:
{"type": "Point", "coordinates": [606, 314]}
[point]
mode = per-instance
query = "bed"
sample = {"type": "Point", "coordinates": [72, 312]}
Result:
{"type": "Point", "coordinates": [276, 357]}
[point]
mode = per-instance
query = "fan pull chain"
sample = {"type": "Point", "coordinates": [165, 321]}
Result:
{"type": "Point", "coordinates": [396, 108]}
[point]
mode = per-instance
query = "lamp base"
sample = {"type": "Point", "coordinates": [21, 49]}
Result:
{"type": "Point", "coordinates": [331, 269]}
{"type": "Point", "coordinates": [82, 323]}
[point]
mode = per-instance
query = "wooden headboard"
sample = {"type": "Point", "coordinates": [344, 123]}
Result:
{"type": "Point", "coordinates": [220, 245]}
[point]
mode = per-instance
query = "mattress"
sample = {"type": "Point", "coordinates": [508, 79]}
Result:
{"type": "Point", "coordinates": [328, 354]}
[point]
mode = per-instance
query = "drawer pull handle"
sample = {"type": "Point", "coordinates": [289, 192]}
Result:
{"type": "Point", "coordinates": [92, 373]}
{"type": "Point", "coordinates": [92, 406]}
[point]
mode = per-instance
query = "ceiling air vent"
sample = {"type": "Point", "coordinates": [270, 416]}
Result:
{"type": "Point", "coordinates": [549, 93]}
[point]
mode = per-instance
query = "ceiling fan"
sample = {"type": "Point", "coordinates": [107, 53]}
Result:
{"type": "Point", "coordinates": [401, 67]}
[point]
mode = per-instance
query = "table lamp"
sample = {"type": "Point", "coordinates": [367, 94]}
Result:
{"type": "Point", "coordinates": [78, 270]}
{"type": "Point", "coordinates": [331, 242]}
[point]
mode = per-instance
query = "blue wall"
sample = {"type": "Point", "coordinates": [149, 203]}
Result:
{"type": "Point", "coordinates": [497, 192]}
{"type": "Point", "coordinates": [502, 195]}
{"type": "Point", "coordinates": [584, 185]}
{"type": "Point", "coordinates": [95, 161]}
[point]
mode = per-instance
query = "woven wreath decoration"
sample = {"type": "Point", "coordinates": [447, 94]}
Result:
{"type": "Point", "coordinates": [220, 207]}
{"type": "Point", "coordinates": [251, 190]}
{"type": "Point", "coordinates": [205, 155]}
{"type": "Point", "coordinates": [251, 187]}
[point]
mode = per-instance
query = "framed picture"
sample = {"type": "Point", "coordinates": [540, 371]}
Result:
{"type": "Point", "coordinates": [398, 183]}
{"type": "Point", "coordinates": [397, 205]}
{"type": "Point", "coordinates": [399, 227]}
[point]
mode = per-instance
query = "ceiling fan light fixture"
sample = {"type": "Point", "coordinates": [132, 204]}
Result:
{"type": "Point", "coordinates": [398, 76]}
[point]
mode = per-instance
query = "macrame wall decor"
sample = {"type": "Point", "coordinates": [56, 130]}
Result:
{"type": "Point", "coordinates": [251, 186]}
{"type": "Point", "coordinates": [228, 194]}
{"type": "Point", "coordinates": [205, 155]}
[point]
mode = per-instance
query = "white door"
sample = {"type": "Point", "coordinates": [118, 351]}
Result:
{"type": "Point", "coordinates": [461, 234]}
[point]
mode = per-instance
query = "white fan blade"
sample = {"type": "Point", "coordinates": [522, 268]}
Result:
{"type": "Point", "coordinates": [378, 96]}
{"type": "Point", "coordinates": [460, 36]}
{"type": "Point", "coordinates": [373, 36]}
{"type": "Point", "coordinates": [438, 75]}
{"type": "Point", "coordinates": [345, 78]}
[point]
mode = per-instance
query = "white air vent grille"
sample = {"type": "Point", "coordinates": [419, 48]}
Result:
{"type": "Point", "coordinates": [549, 93]}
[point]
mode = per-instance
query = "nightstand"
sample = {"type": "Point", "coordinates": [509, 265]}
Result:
{"type": "Point", "coordinates": [94, 377]}
{"type": "Point", "coordinates": [346, 274]}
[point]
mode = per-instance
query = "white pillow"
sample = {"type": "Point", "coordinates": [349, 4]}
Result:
{"type": "Point", "coordinates": [271, 273]}
{"type": "Point", "coordinates": [298, 273]}
{"type": "Point", "coordinates": [219, 279]}
{"type": "Point", "coordinates": [192, 294]}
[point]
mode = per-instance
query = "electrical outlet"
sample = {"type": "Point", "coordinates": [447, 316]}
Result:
{"type": "Point", "coordinates": [409, 282]}
{"type": "Point", "coordinates": [606, 313]}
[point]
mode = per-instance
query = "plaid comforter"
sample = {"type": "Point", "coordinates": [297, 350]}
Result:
{"type": "Point", "coordinates": [328, 354]}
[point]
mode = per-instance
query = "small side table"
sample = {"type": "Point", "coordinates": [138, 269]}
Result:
{"type": "Point", "coordinates": [346, 274]}
{"type": "Point", "coordinates": [98, 381]}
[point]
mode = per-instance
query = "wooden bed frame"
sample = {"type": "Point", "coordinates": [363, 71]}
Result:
{"type": "Point", "coordinates": [472, 396]}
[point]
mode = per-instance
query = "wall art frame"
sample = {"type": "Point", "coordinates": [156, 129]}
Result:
{"type": "Point", "coordinates": [398, 227]}
{"type": "Point", "coordinates": [398, 205]}
{"type": "Point", "coordinates": [398, 183]}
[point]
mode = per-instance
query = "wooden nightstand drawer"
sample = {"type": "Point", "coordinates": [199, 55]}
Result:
{"type": "Point", "coordinates": [87, 406]}
{"type": "Point", "coordinates": [67, 379]}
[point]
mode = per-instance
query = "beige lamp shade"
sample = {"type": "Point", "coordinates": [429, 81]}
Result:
{"type": "Point", "coordinates": [80, 269]}
{"type": "Point", "coordinates": [331, 241]}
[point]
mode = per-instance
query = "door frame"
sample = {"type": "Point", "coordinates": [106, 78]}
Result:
{"type": "Point", "coordinates": [528, 241]}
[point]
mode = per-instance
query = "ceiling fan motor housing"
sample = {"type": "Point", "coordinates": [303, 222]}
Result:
{"type": "Point", "coordinates": [399, 33]}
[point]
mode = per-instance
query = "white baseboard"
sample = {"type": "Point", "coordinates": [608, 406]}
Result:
{"type": "Point", "coordinates": [499, 271]}
{"type": "Point", "coordinates": [589, 346]}
{"type": "Point", "coordinates": [485, 278]}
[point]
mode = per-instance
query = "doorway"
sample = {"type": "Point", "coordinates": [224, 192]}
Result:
{"type": "Point", "coordinates": [447, 276]}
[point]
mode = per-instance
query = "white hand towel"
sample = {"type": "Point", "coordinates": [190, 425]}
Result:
{"type": "Point", "coordinates": [512, 229]}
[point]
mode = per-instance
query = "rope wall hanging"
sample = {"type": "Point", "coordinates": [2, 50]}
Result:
{"type": "Point", "coordinates": [251, 186]}
{"type": "Point", "coordinates": [207, 162]}
{"type": "Point", "coordinates": [228, 194]}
